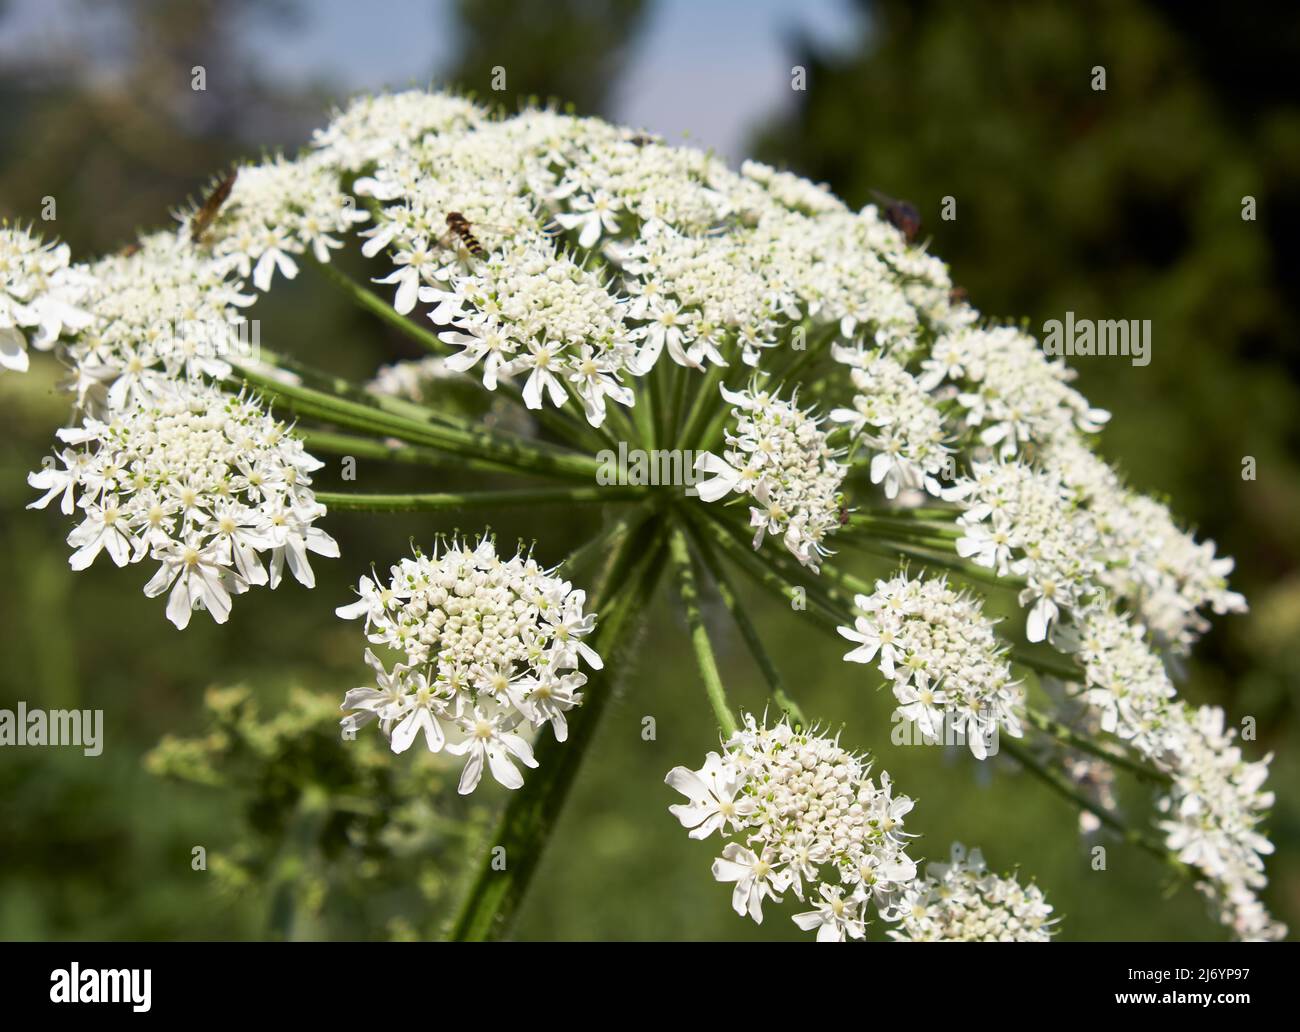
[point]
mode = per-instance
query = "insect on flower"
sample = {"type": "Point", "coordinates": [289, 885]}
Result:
{"type": "Point", "coordinates": [204, 217]}
{"type": "Point", "coordinates": [902, 215]}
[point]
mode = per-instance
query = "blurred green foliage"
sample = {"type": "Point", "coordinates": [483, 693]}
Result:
{"type": "Point", "coordinates": [1123, 204]}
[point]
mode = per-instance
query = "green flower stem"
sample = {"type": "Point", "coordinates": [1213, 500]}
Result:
{"type": "Point", "coordinates": [504, 450]}
{"type": "Point", "coordinates": [888, 526]}
{"type": "Point", "coordinates": [702, 406]}
{"type": "Point", "coordinates": [747, 629]}
{"type": "Point", "coordinates": [763, 573]}
{"type": "Point", "coordinates": [476, 499]}
{"type": "Point", "coordinates": [679, 553]}
{"type": "Point", "coordinates": [814, 348]}
{"type": "Point", "coordinates": [1050, 663]}
{"type": "Point", "coordinates": [935, 514]}
{"type": "Point", "coordinates": [1062, 785]}
{"type": "Point", "coordinates": [330, 443]}
{"type": "Point", "coordinates": [495, 894]}
{"type": "Point", "coordinates": [891, 549]}
{"type": "Point", "coordinates": [1075, 739]}
{"type": "Point", "coordinates": [366, 298]}
{"type": "Point", "coordinates": [646, 411]}
{"type": "Point", "coordinates": [327, 383]}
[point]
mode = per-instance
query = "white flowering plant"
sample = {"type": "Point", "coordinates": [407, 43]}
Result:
{"type": "Point", "coordinates": [832, 388]}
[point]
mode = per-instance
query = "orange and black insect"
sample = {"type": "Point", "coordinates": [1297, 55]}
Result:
{"type": "Point", "coordinates": [844, 516]}
{"type": "Point", "coordinates": [958, 296]}
{"type": "Point", "coordinates": [204, 216]}
{"type": "Point", "coordinates": [902, 215]}
{"type": "Point", "coordinates": [460, 228]}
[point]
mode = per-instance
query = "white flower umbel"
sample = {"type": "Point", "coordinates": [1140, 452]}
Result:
{"type": "Point", "coordinates": [1212, 815]}
{"type": "Point", "coordinates": [486, 645]}
{"type": "Point", "coordinates": [1162, 571]}
{"type": "Point", "coordinates": [164, 311]}
{"type": "Point", "coordinates": [1216, 801]}
{"type": "Point", "coordinates": [276, 210]}
{"type": "Point", "coordinates": [1009, 393]}
{"type": "Point", "coordinates": [207, 484]}
{"type": "Point", "coordinates": [947, 669]}
{"type": "Point", "coordinates": [803, 815]}
{"type": "Point", "coordinates": [370, 128]}
{"type": "Point", "coordinates": [897, 421]}
{"type": "Point", "coordinates": [962, 901]}
{"type": "Point", "coordinates": [1023, 520]}
{"type": "Point", "coordinates": [779, 458]}
{"type": "Point", "coordinates": [40, 296]}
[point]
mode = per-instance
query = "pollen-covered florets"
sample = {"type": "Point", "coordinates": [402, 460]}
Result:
{"type": "Point", "coordinates": [163, 312]}
{"type": "Point", "coordinates": [962, 901]}
{"type": "Point", "coordinates": [1021, 520]}
{"type": "Point", "coordinates": [803, 815]}
{"type": "Point", "coordinates": [370, 128]}
{"type": "Point", "coordinates": [276, 210]}
{"type": "Point", "coordinates": [207, 484]}
{"type": "Point", "coordinates": [897, 420]}
{"type": "Point", "coordinates": [1212, 815]}
{"type": "Point", "coordinates": [1010, 393]}
{"type": "Point", "coordinates": [40, 295]}
{"type": "Point", "coordinates": [779, 457]}
{"type": "Point", "coordinates": [946, 666]}
{"type": "Point", "coordinates": [486, 645]}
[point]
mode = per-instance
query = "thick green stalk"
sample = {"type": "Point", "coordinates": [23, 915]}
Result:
{"type": "Point", "coordinates": [1062, 786]}
{"type": "Point", "coordinates": [687, 587]}
{"type": "Point", "coordinates": [513, 453]}
{"type": "Point", "coordinates": [489, 906]}
{"type": "Point", "coordinates": [377, 306]}
{"type": "Point", "coordinates": [329, 443]}
{"type": "Point", "coordinates": [1075, 739]}
{"type": "Point", "coordinates": [747, 629]}
{"type": "Point", "coordinates": [476, 499]}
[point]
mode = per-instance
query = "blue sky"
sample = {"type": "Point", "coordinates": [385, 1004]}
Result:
{"type": "Point", "coordinates": [709, 69]}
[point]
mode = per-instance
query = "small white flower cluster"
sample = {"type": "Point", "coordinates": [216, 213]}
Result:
{"type": "Point", "coordinates": [1213, 810]}
{"type": "Point", "coordinates": [779, 457]}
{"type": "Point", "coordinates": [202, 482]}
{"type": "Point", "coordinates": [962, 901]}
{"type": "Point", "coordinates": [804, 815]}
{"type": "Point", "coordinates": [1022, 520]}
{"type": "Point", "coordinates": [278, 209]}
{"type": "Point", "coordinates": [1127, 685]}
{"type": "Point", "coordinates": [40, 296]}
{"type": "Point", "coordinates": [163, 312]}
{"type": "Point", "coordinates": [487, 644]}
{"type": "Point", "coordinates": [1010, 393]}
{"type": "Point", "coordinates": [894, 416]}
{"type": "Point", "coordinates": [595, 250]}
{"type": "Point", "coordinates": [1165, 574]}
{"type": "Point", "coordinates": [372, 127]}
{"type": "Point", "coordinates": [1216, 802]}
{"type": "Point", "coordinates": [938, 649]}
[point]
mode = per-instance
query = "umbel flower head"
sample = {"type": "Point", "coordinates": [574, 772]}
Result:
{"type": "Point", "coordinates": [40, 295]}
{"type": "Point", "coordinates": [202, 482]}
{"type": "Point", "coordinates": [962, 901]}
{"type": "Point", "coordinates": [779, 458]}
{"type": "Point", "coordinates": [486, 645]}
{"type": "Point", "coordinates": [947, 668]}
{"type": "Point", "coordinates": [620, 287]}
{"type": "Point", "coordinates": [801, 815]}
